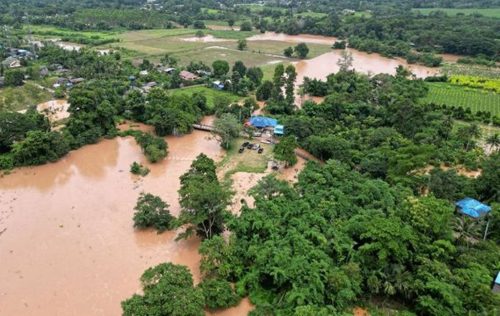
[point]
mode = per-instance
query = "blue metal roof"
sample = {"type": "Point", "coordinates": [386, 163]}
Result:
{"type": "Point", "coordinates": [279, 130]}
{"type": "Point", "coordinates": [263, 121]}
{"type": "Point", "coordinates": [473, 208]}
{"type": "Point", "coordinates": [497, 280]}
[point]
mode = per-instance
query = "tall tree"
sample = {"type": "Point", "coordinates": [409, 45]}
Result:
{"type": "Point", "coordinates": [227, 128]}
{"type": "Point", "coordinates": [203, 200]}
{"type": "Point", "coordinates": [291, 76]}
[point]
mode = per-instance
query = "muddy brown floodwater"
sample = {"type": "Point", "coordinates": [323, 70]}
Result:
{"type": "Point", "coordinates": [320, 67]}
{"type": "Point", "coordinates": [325, 64]}
{"type": "Point", "coordinates": [67, 245]}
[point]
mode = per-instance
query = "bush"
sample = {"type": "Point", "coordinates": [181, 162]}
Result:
{"type": "Point", "coordinates": [151, 211]}
{"type": "Point", "coordinates": [155, 148]}
{"type": "Point", "coordinates": [218, 294]}
{"type": "Point", "coordinates": [6, 162]}
{"type": "Point", "coordinates": [14, 78]}
{"type": "Point", "coordinates": [246, 26]}
{"type": "Point", "coordinates": [39, 147]}
{"type": "Point", "coordinates": [339, 45]}
{"type": "Point", "coordinates": [138, 169]}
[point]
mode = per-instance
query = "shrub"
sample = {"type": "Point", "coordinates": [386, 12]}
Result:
{"type": "Point", "coordinates": [151, 211]}
{"type": "Point", "coordinates": [6, 162]}
{"type": "Point", "coordinates": [138, 169]}
{"type": "Point", "coordinates": [246, 26]}
{"type": "Point", "coordinates": [218, 294]}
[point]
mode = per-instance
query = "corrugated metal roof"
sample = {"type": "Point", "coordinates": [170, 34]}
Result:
{"type": "Point", "coordinates": [497, 280]}
{"type": "Point", "coordinates": [263, 121]}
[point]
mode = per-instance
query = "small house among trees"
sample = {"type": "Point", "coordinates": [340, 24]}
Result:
{"type": "Point", "coordinates": [496, 284]}
{"type": "Point", "coordinates": [188, 76]}
{"type": "Point", "coordinates": [474, 209]}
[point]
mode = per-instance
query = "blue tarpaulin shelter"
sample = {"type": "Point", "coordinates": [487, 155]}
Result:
{"type": "Point", "coordinates": [473, 208]}
{"type": "Point", "coordinates": [263, 121]}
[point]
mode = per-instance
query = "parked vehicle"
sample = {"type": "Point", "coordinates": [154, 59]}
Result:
{"type": "Point", "coordinates": [250, 146]}
{"type": "Point", "coordinates": [241, 150]}
{"type": "Point", "coordinates": [245, 144]}
{"type": "Point", "coordinates": [260, 150]}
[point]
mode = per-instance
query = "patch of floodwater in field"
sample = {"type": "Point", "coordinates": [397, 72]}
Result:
{"type": "Point", "coordinates": [206, 39]}
{"type": "Point", "coordinates": [320, 67]}
{"type": "Point", "coordinates": [302, 38]}
{"type": "Point", "coordinates": [68, 246]}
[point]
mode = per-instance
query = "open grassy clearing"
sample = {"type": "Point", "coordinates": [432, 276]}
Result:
{"type": "Point", "coordinates": [486, 129]}
{"type": "Point", "coordinates": [154, 44]}
{"type": "Point", "coordinates": [20, 98]}
{"type": "Point", "coordinates": [277, 48]}
{"type": "Point", "coordinates": [491, 12]}
{"type": "Point", "coordinates": [471, 70]}
{"type": "Point", "coordinates": [47, 31]}
{"type": "Point", "coordinates": [475, 99]}
{"type": "Point", "coordinates": [214, 53]}
{"type": "Point", "coordinates": [209, 93]}
{"type": "Point", "coordinates": [248, 161]}
{"type": "Point", "coordinates": [230, 34]}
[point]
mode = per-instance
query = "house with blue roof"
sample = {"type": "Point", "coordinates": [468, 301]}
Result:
{"type": "Point", "coordinates": [262, 122]}
{"type": "Point", "coordinates": [496, 284]}
{"type": "Point", "coordinates": [474, 209]}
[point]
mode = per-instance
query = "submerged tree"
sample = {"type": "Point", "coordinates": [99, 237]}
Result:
{"type": "Point", "coordinates": [168, 291]}
{"type": "Point", "coordinates": [151, 211]}
{"type": "Point", "coordinates": [345, 61]}
{"type": "Point", "coordinates": [203, 200]}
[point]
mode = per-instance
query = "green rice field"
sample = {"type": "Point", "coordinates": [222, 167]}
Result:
{"type": "Point", "coordinates": [491, 12]}
{"type": "Point", "coordinates": [209, 93]}
{"type": "Point", "coordinates": [475, 99]}
{"type": "Point", "coordinates": [20, 98]}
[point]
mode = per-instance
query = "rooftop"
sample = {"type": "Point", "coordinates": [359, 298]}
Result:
{"type": "Point", "coordinates": [472, 207]}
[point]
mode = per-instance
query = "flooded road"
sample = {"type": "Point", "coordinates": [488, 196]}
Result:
{"type": "Point", "coordinates": [67, 245]}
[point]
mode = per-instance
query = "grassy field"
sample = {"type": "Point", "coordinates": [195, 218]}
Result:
{"type": "Point", "coordinates": [491, 12]}
{"type": "Point", "coordinates": [153, 44]}
{"type": "Point", "coordinates": [475, 99]}
{"type": "Point", "coordinates": [209, 93]}
{"type": "Point", "coordinates": [19, 98]}
{"type": "Point", "coordinates": [471, 70]}
{"type": "Point", "coordinates": [48, 32]}
{"type": "Point", "coordinates": [248, 161]}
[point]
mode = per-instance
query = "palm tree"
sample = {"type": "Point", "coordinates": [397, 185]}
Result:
{"type": "Point", "coordinates": [494, 142]}
{"type": "Point", "coordinates": [469, 133]}
{"type": "Point", "coordinates": [467, 230]}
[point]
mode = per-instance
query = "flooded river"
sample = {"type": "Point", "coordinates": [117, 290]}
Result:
{"type": "Point", "coordinates": [67, 245]}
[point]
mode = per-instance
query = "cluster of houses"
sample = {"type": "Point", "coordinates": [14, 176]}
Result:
{"type": "Point", "coordinates": [15, 56]}
{"type": "Point", "coordinates": [186, 76]}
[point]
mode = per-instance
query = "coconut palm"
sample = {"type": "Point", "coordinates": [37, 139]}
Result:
{"type": "Point", "coordinates": [467, 230]}
{"type": "Point", "coordinates": [494, 142]}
